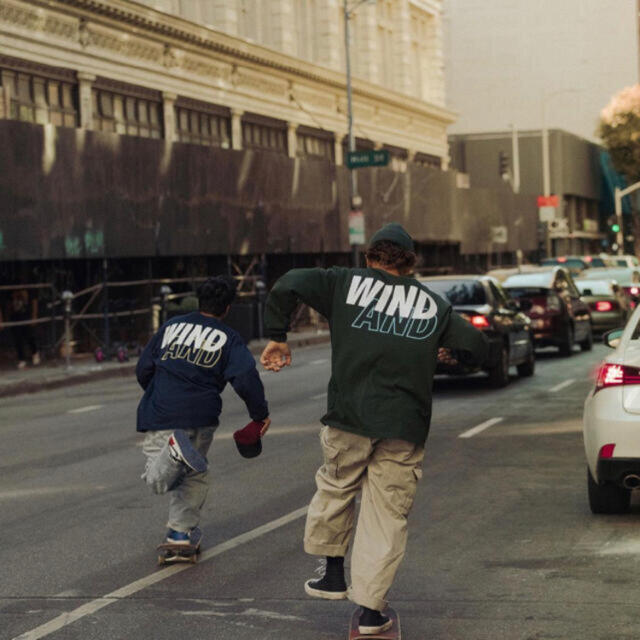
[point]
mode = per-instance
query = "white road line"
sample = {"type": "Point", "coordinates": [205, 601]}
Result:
{"type": "Point", "coordinates": [562, 385]}
{"type": "Point", "coordinates": [481, 427]}
{"type": "Point", "coordinates": [91, 407]}
{"type": "Point", "coordinates": [319, 396]}
{"type": "Point", "coordinates": [89, 608]}
{"type": "Point", "coordinates": [322, 361]}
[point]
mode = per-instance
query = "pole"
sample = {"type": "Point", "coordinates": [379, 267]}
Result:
{"type": "Point", "coordinates": [353, 182]}
{"type": "Point", "coordinates": [515, 151]}
{"type": "Point", "coordinates": [618, 194]}
{"type": "Point", "coordinates": [619, 236]}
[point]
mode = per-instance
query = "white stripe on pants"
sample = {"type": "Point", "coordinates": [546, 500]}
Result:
{"type": "Point", "coordinates": [187, 498]}
{"type": "Point", "coordinates": [387, 472]}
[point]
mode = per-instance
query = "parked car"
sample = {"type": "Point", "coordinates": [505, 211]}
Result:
{"type": "Point", "coordinates": [610, 423]}
{"type": "Point", "coordinates": [575, 264]}
{"type": "Point", "coordinates": [558, 316]}
{"type": "Point", "coordinates": [628, 279]}
{"type": "Point", "coordinates": [482, 301]}
{"type": "Point", "coordinates": [610, 307]}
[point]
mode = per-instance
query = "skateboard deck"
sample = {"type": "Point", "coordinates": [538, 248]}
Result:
{"type": "Point", "coordinates": [393, 633]}
{"type": "Point", "coordinates": [171, 552]}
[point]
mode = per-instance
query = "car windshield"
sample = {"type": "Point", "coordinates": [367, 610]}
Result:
{"type": "Point", "coordinates": [459, 292]}
{"type": "Point", "coordinates": [623, 277]}
{"type": "Point", "coordinates": [529, 280]}
{"type": "Point", "coordinates": [570, 263]}
{"type": "Point", "coordinates": [595, 287]}
{"type": "Point", "coordinates": [595, 262]}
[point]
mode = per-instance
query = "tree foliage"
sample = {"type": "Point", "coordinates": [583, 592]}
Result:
{"type": "Point", "coordinates": [619, 129]}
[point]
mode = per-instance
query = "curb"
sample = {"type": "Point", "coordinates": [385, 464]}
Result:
{"type": "Point", "coordinates": [44, 384]}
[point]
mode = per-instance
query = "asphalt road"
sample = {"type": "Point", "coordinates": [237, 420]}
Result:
{"type": "Point", "coordinates": [502, 543]}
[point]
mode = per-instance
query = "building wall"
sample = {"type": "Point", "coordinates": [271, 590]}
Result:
{"type": "Point", "coordinates": [575, 176]}
{"type": "Point", "coordinates": [507, 59]}
{"type": "Point", "coordinates": [397, 44]}
{"type": "Point", "coordinates": [173, 59]}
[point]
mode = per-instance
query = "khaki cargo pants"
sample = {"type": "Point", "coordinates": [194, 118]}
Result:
{"type": "Point", "coordinates": [387, 472]}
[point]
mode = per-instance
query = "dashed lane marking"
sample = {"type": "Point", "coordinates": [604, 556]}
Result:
{"type": "Point", "coordinates": [321, 361]}
{"type": "Point", "coordinates": [481, 427]}
{"type": "Point", "coordinates": [320, 396]}
{"type": "Point", "coordinates": [91, 407]}
{"type": "Point", "coordinates": [562, 385]}
{"type": "Point", "coordinates": [89, 608]}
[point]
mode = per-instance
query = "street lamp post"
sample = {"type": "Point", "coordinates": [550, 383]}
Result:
{"type": "Point", "coordinates": [355, 202]}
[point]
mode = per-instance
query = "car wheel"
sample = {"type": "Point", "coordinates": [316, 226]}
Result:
{"type": "Point", "coordinates": [566, 346]}
{"type": "Point", "coordinates": [499, 375]}
{"type": "Point", "coordinates": [587, 343]}
{"type": "Point", "coordinates": [607, 498]}
{"type": "Point", "coordinates": [527, 368]}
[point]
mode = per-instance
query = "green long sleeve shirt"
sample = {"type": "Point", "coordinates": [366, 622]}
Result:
{"type": "Point", "coordinates": [385, 335]}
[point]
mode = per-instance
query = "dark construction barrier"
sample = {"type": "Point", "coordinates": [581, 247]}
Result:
{"type": "Point", "coordinates": [76, 194]}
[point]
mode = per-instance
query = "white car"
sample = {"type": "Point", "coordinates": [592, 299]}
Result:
{"type": "Point", "coordinates": [611, 423]}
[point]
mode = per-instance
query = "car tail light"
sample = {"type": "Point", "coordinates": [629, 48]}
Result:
{"type": "Point", "coordinates": [479, 322]}
{"type": "Point", "coordinates": [634, 291]}
{"type": "Point", "coordinates": [562, 259]}
{"type": "Point", "coordinates": [606, 451]}
{"type": "Point", "coordinates": [603, 305]}
{"type": "Point", "coordinates": [616, 375]}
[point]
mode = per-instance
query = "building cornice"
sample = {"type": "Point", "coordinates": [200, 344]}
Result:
{"type": "Point", "coordinates": [179, 31]}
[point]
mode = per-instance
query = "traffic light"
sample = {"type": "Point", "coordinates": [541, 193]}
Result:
{"type": "Point", "coordinates": [503, 165]}
{"type": "Point", "coordinates": [612, 222]}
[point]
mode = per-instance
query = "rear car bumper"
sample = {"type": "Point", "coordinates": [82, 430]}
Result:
{"type": "Point", "coordinates": [615, 470]}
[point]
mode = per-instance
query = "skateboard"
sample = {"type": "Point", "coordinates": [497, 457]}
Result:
{"type": "Point", "coordinates": [171, 552]}
{"type": "Point", "coordinates": [393, 633]}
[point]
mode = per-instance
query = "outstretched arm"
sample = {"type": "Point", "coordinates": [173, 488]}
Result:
{"type": "Point", "coordinates": [311, 286]}
{"type": "Point", "coordinates": [470, 343]}
{"type": "Point", "coordinates": [249, 387]}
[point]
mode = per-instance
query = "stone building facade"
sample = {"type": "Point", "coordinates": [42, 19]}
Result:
{"type": "Point", "coordinates": [259, 74]}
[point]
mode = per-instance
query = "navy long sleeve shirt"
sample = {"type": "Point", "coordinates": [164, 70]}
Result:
{"type": "Point", "coordinates": [184, 369]}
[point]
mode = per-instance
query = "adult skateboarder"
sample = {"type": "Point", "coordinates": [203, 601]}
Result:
{"type": "Point", "coordinates": [183, 370]}
{"type": "Point", "coordinates": [386, 333]}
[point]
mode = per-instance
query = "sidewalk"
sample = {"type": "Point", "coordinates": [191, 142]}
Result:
{"type": "Point", "coordinates": [84, 369]}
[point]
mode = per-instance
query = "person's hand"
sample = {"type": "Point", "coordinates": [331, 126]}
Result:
{"type": "Point", "coordinates": [445, 357]}
{"type": "Point", "coordinates": [265, 426]}
{"type": "Point", "coordinates": [275, 356]}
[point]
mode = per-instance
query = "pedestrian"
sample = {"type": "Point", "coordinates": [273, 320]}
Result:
{"type": "Point", "coordinates": [387, 330]}
{"type": "Point", "coordinates": [23, 309]}
{"type": "Point", "coordinates": [183, 371]}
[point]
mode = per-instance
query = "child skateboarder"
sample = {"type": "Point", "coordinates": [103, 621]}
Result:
{"type": "Point", "coordinates": [387, 332]}
{"type": "Point", "coordinates": [183, 371]}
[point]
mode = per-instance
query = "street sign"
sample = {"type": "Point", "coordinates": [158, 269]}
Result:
{"type": "Point", "coordinates": [356, 227]}
{"type": "Point", "coordinates": [548, 201]}
{"type": "Point", "coordinates": [499, 235]}
{"type": "Point", "coordinates": [372, 158]}
{"type": "Point", "coordinates": [558, 228]}
{"type": "Point", "coordinates": [546, 214]}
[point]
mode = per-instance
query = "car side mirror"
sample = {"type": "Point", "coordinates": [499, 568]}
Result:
{"type": "Point", "coordinates": [612, 338]}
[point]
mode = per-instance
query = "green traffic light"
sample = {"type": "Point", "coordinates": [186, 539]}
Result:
{"type": "Point", "coordinates": [615, 228]}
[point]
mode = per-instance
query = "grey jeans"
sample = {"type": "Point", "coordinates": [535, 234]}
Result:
{"type": "Point", "coordinates": [163, 475]}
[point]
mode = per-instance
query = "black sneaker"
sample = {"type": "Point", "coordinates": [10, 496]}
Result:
{"type": "Point", "coordinates": [372, 622]}
{"type": "Point", "coordinates": [332, 585]}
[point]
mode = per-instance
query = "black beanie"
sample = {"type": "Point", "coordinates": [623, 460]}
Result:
{"type": "Point", "coordinates": [393, 232]}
